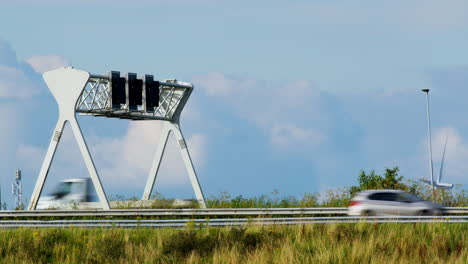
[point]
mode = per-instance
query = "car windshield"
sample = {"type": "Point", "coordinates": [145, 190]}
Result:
{"type": "Point", "coordinates": [62, 189]}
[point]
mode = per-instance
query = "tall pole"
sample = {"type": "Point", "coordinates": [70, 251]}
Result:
{"type": "Point", "coordinates": [430, 141]}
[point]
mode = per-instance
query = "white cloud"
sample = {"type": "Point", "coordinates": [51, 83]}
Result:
{"type": "Point", "coordinates": [16, 83]}
{"type": "Point", "coordinates": [288, 136]}
{"type": "Point", "coordinates": [7, 55]}
{"type": "Point", "coordinates": [197, 147]}
{"type": "Point", "coordinates": [127, 160]}
{"type": "Point", "coordinates": [292, 113]}
{"type": "Point", "coordinates": [298, 94]}
{"type": "Point", "coordinates": [17, 79]}
{"type": "Point", "coordinates": [45, 63]}
{"type": "Point", "coordinates": [216, 84]}
{"type": "Point", "coordinates": [9, 133]}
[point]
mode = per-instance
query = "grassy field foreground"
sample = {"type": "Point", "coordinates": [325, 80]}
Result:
{"type": "Point", "coordinates": [314, 243]}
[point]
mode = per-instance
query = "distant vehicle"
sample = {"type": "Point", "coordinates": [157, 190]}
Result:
{"type": "Point", "coordinates": [70, 194]}
{"type": "Point", "coordinates": [79, 194]}
{"type": "Point", "coordinates": [390, 202]}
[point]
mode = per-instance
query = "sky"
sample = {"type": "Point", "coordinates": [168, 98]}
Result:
{"type": "Point", "coordinates": [295, 96]}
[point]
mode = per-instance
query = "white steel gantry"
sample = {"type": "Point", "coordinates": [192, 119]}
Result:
{"type": "Point", "coordinates": [78, 91]}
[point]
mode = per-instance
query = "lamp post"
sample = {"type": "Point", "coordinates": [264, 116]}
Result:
{"type": "Point", "coordinates": [430, 141]}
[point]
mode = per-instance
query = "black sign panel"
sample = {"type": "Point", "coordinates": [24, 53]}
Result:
{"type": "Point", "coordinates": [152, 93]}
{"type": "Point", "coordinates": [135, 92]}
{"type": "Point", "coordinates": [117, 84]}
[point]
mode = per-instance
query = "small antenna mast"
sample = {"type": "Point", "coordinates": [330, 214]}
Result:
{"type": "Point", "coordinates": [17, 189]}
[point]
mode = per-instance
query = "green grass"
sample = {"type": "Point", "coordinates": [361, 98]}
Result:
{"type": "Point", "coordinates": [313, 243]}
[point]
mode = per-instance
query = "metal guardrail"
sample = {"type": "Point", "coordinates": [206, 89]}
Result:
{"type": "Point", "coordinates": [200, 223]}
{"type": "Point", "coordinates": [196, 212]}
{"type": "Point", "coordinates": [179, 212]}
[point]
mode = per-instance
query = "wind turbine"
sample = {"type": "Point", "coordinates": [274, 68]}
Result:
{"type": "Point", "coordinates": [437, 183]}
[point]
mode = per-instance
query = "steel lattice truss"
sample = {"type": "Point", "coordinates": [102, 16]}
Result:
{"type": "Point", "coordinates": [95, 100]}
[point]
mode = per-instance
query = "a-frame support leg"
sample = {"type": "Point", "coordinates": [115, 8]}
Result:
{"type": "Point", "coordinates": [50, 157]}
{"type": "Point", "coordinates": [156, 161]}
{"type": "Point", "coordinates": [90, 165]}
{"type": "Point", "coordinates": [167, 128]}
{"type": "Point", "coordinates": [54, 141]}
{"type": "Point", "coordinates": [189, 165]}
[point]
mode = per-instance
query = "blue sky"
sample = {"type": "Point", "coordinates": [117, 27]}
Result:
{"type": "Point", "coordinates": [297, 96]}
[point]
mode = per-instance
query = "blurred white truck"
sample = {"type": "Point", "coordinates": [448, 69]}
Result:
{"type": "Point", "coordinates": [71, 194]}
{"type": "Point", "coordinates": [79, 194]}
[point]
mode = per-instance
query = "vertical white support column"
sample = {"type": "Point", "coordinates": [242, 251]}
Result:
{"type": "Point", "coordinates": [54, 141]}
{"type": "Point", "coordinates": [188, 164]}
{"type": "Point", "coordinates": [89, 164]}
{"type": "Point", "coordinates": [157, 160]}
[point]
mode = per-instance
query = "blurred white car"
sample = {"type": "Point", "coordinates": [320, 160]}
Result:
{"type": "Point", "coordinates": [390, 202]}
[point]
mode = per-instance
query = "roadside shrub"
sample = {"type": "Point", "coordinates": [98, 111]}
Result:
{"type": "Point", "coordinates": [183, 243]}
{"type": "Point", "coordinates": [106, 247]}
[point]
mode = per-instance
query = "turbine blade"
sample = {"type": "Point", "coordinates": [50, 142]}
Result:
{"type": "Point", "coordinates": [442, 162]}
{"type": "Point", "coordinates": [446, 185]}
